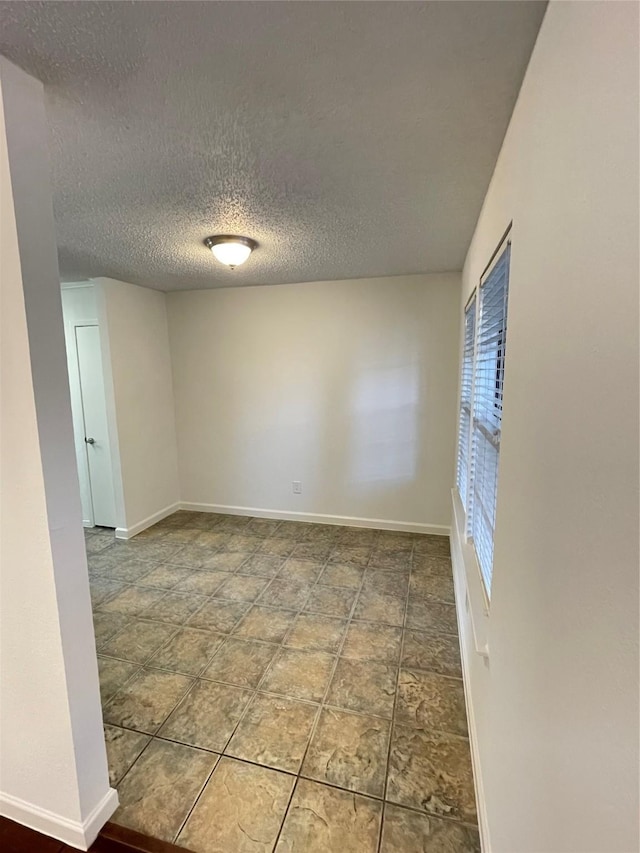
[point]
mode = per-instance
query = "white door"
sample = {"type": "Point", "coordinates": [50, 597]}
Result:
{"type": "Point", "coordinates": [96, 432]}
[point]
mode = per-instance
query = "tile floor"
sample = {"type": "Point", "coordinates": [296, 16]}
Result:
{"type": "Point", "coordinates": [283, 686]}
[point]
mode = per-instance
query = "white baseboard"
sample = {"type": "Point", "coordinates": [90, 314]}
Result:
{"type": "Point", "coordinates": [79, 834]}
{"type": "Point", "coordinates": [318, 518]}
{"type": "Point", "coordinates": [464, 618]}
{"type": "Point", "coordinates": [128, 532]}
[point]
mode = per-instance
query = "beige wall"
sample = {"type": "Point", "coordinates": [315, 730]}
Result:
{"type": "Point", "coordinates": [347, 386]}
{"type": "Point", "coordinates": [135, 319]}
{"type": "Point", "coordinates": [555, 707]}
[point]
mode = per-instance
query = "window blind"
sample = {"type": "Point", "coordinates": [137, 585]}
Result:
{"type": "Point", "coordinates": [488, 380]}
{"type": "Point", "coordinates": [466, 387]}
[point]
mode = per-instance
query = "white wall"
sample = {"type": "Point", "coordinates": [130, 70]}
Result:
{"type": "Point", "coordinates": [346, 386]}
{"type": "Point", "coordinates": [135, 320]}
{"type": "Point", "coordinates": [53, 768]}
{"type": "Point", "coordinates": [556, 705]}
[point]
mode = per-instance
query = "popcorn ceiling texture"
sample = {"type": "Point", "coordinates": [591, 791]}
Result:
{"type": "Point", "coordinates": [349, 139]}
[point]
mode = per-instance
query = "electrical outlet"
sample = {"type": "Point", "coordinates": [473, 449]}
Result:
{"type": "Point", "coordinates": [297, 487]}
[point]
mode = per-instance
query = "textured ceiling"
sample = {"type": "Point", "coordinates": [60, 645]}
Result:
{"type": "Point", "coordinates": [350, 139]}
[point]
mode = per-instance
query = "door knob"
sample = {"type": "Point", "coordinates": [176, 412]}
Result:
{"type": "Point", "coordinates": [90, 440]}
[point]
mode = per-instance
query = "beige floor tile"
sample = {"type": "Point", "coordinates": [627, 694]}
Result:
{"type": "Point", "coordinates": [434, 587]}
{"type": "Point", "coordinates": [211, 539]}
{"type": "Point", "coordinates": [285, 593]}
{"type": "Point", "coordinates": [131, 570]}
{"type": "Point", "coordinates": [322, 819]}
{"type": "Point", "coordinates": [266, 623]}
{"type": "Point", "coordinates": [241, 662]}
{"type": "Point", "coordinates": [299, 674]}
{"type": "Point", "coordinates": [106, 625]}
{"type": "Point", "coordinates": [301, 570]}
{"type": "Point", "coordinates": [242, 588]}
{"type": "Point", "coordinates": [157, 551]}
{"type": "Point", "coordinates": [146, 700]}
{"type": "Point", "coordinates": [387, 583]}
{"type": "Point", "coordinates": [318, 551]}
{"type": "Point", "coordinates": [202, 582]}
{"type": "Point", "coordinates": [350, 751]}
{"type": "Point", "coordinates": [138, 641]}
{"type": "Point", "coordinates": [207, 715]}
{"type": "Point", "coordinates": [240, 810]}
{"type": "Point", "coordinates": [372, 641]}
{"type": "Point", "coordinates": [263, 565]}
{"type": "Point", "coordinates": [274, 731]}
{"type": "Point", "coordinates": [132, 601]}
{"type": "Point", "coordinates": [175, 608]}
{"type": "Point", "coordinates": [104, 560]}
{"type": "Point", "coordinates": [405, 831]}
{"type": "Point", "coordinates": [432, 616]}
{"type": "Point", "coordinates": [374, 606]}
{"type": "Point", "coordinates": [355, 537]}
{"type": "Point", "coordinates": [433, 652]}
{"type": "Point", "coordinates": [432, 565]}
{"type": "Point", "coordinates": [221, 616]}
{"type": "Point", "coordinates": [123, 747]}
{"type": "Point", "coordinates": [228, 561]}
{"type": "Point", "coordinates": [395, 541]}
{"type": "Point", "coordinates": [342, 574]}
{"type": "Point", "coordinates": [431, 771]}
{"type": "Point", "coordinates": [366, 686]}
{"type": "Point", "coordinates": [276, 546]}
{"type": "Point", "coordinates": [430, 701]}
{"type": "Point", "coordinates": [390, 560]}
{"type": "Point", "coordinates": [262, 526]}
{"type": "Point", "coordinates": [313, 631]}
{"type": "Point", "coordinates": [113, 675]}
{"type": "Point", "coordinates": [353, 556]}
{"type": "Point", "coordinates": [188, 651]}
{"type": "Point", "coordinates": [196, 557]}
{"type": "Point", "coordinates": [164, 577]}
{"type": "Point", "coordinates": [103, 589]}
{"type": "Point", "coordinates": [161, 787]}
{"type": "Point", "coordinates": [242, 543]}
{"type": "Point", "coordinates": [97, 542]}
{"type": "Point", "coordinates": [437, 546]}
{"type": "Point", "coordinates": [331, 601]}
{"type": "Point", "coordinates": [182, 536]}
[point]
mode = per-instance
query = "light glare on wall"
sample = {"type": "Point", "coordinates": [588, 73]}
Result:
{"type": "Point", "coordinates": [229, 249]}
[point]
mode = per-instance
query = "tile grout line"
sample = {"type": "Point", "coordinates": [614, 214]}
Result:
{"type": "Point", "coordinates": [245, 711]}
{"type": "Point", "coordinates": [322, 703]}
{"type": "Point", "coordinates": [395, 701]}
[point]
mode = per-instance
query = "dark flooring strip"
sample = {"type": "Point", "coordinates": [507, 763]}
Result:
{"type": "Point", "coordinates": [15, 838]}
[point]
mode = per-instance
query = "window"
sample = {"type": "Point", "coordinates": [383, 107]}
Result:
{"type": "Point", "coordinates": [466, 387]}
{"type": "Point", "coordinates": [481, 407]}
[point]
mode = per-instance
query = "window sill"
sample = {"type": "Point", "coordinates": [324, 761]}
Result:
{"type": "Point", "coordinates": [470, 594]}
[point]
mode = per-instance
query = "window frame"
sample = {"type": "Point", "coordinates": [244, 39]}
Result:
{"type": "Point", "coordinates": [475, 301]}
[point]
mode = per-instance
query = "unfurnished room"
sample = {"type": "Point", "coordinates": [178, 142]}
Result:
{"type": "Point", "coordinates": [319, 426]}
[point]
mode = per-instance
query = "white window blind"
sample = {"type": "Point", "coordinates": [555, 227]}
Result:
{"type": "Point", "coordinates": [488, 378]}
{"type": "Point", "coordinates": [466, 387]}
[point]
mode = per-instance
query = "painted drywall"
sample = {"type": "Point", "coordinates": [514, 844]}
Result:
{"type": "Point", "coordinates": [53, 769]}
{"type": "Point", "coordinates": [555, 707]}
{"type": "Point", "coordinates": [348, 387]}
{"type": "Point", "coordinates": [135, 321]}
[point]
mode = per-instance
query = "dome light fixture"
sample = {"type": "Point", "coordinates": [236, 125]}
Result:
{"type": "Point", "coordinates": [229, 249]}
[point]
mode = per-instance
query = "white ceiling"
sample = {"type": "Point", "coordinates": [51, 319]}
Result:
{"type": "Point", "coordinates": [350, 139]}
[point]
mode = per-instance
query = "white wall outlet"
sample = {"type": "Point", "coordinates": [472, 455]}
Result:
{"type": "Point", "coordinates": [297, 487]}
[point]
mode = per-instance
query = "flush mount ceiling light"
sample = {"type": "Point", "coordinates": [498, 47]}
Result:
{"type": "Point", "coordinates": [229, 249]}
